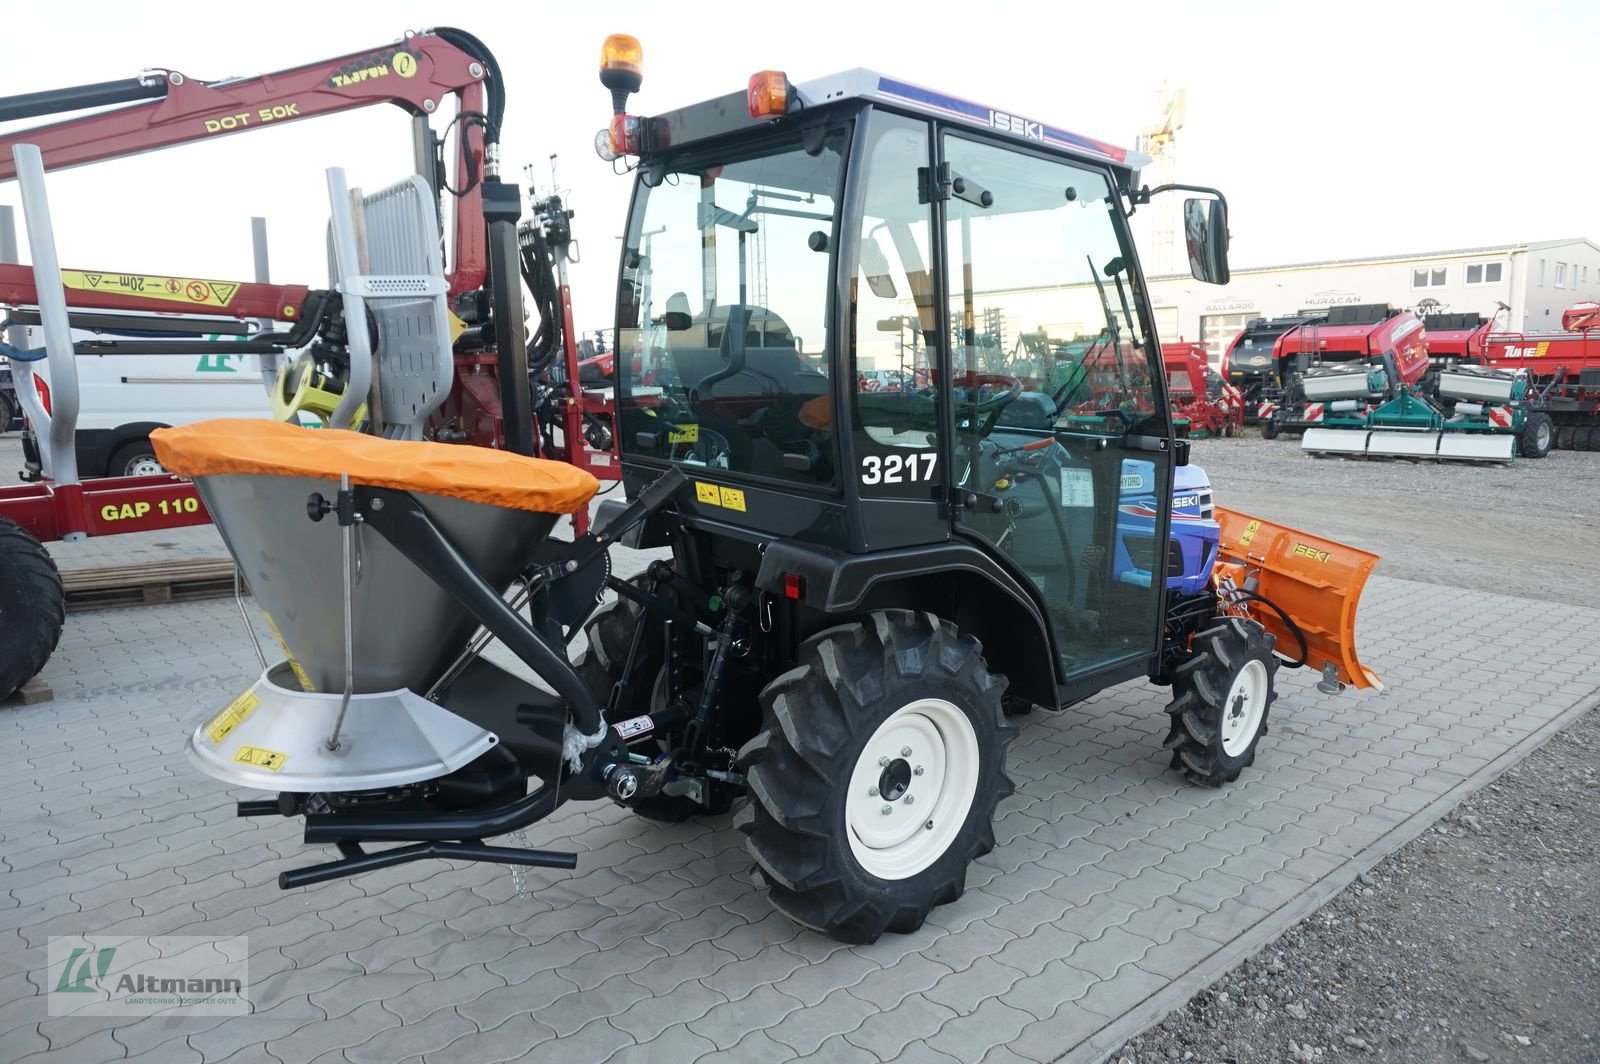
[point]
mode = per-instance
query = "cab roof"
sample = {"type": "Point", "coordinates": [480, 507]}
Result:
{"type": "Point", "coordinates": [728, 113]}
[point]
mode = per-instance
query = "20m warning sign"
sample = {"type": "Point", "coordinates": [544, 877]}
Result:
{"type": "Point", "coordinates": [188, 290]}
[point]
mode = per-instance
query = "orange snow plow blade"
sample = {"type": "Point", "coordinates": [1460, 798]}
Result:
{"type": "Point", "coordinates": [1316, 581]}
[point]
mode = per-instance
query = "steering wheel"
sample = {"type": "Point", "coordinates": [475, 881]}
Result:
{"type": "Point", "coordinates": [986, 410]}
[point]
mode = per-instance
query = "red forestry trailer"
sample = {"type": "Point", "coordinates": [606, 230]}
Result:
{"type": "Point", "coordinates": [335, 357]}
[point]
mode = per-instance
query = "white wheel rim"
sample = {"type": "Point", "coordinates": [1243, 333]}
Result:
{"type": "Point", "coordinates": [145, 467]}
{"type": "Point", "coordinates": [1242, 710]}
{"type": "Point", "coordinates": [925, 816]}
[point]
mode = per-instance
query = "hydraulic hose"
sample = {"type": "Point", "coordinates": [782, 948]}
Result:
{"type": "Point", "coordinates": [493, 81]}
{"type": "Point", "coordinates": [1294, 629]}
{"type": "Point", "coordinates": [539, 274]}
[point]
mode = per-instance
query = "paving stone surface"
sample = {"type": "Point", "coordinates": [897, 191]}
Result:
{"type": "Point", "coordinates": [1116, 890]}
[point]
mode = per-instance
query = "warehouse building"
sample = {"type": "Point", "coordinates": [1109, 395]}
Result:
{"type": "Point", "coordinates": [1535, 280]}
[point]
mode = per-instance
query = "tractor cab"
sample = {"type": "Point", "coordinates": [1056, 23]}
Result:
{"type": "Point", "coordinates": [879, 322]}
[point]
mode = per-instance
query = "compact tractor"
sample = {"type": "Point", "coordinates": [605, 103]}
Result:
{"type": "Point", "coordinates": [858, 590]}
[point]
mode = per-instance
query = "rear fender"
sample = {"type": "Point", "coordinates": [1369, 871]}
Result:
{"type": "Point", "coordinates": [1316, 581]}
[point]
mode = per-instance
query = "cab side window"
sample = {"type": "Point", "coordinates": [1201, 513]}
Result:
{"type": "Point", "coordinates": [894, 337]}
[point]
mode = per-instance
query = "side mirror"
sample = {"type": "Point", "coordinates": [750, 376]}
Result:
{"type": "Point", "coordinates": [1205, 228]}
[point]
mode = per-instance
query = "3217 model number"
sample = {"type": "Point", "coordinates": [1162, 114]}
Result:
{"type": "Point", "coordinates": [898, 468]}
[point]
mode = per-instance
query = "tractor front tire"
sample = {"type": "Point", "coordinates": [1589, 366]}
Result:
{"type": "Point", "coordinates": [874, 781]}
{"type": "Point", "coordinates": [1564, 437]}
{"type": "Point", "coordinates": [1221, 698]}
{"type": "Point", "coordinates": [1270, 429]}
{"type": "Point", "coordinates": [32, 607]}
{"type": "Point", "coordinates": [1537, 437]}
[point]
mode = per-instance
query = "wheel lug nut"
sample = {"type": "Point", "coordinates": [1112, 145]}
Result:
{"type": "Point", "coordinates": [887, 809]}
{"type": "Point", "coordinates": [917, 771]}
{"type": "Point", "coordinates": [905, 751]}
{"type": "Point", "coordinates": [910, 799]}
{"type": "Point", "coordinates": [883, 762]}
{"type": "Point", "coordinates": [872, 792]}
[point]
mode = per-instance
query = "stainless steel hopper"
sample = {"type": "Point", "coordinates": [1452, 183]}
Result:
{"type": "Point", "coordinates": [406, 629]}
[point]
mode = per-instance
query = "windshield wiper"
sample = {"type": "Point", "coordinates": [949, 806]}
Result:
{"type": "Point", "coordinates": [1111, 318]}
{"type": "Point", "coordinates": [1114, 269]}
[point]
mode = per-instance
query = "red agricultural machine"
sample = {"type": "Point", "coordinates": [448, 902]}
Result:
{"type": "Point", "coordinates": [1581, 316]}
{"type": "Point", "coordinates": [1360, 383]}
{"type": "Point", "coordinates": [361, 354]}
{"type": "Point", "coordinates": [1203, 404]}
{"type": "Point", "coordinates": [1251, 362]}
{"type": "Point", "coordinates": [1563, 373]}
{"type": "Point", "coordinates": [1350, 341]}
{"type": "Point", "coordinates": [1455, 339]}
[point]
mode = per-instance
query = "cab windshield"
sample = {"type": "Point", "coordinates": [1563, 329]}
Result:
{"type": "Point", "coordinates": [1043, 294]}
{"type": "Point", "coordinates": [724, 309]}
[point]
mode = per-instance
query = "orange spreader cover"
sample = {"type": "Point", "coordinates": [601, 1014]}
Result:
{"type": "Point", "coordinates": [263, 447]}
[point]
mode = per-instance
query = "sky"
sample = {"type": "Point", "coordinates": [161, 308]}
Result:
{"type": "Point", "coordinates": [1336, 130]}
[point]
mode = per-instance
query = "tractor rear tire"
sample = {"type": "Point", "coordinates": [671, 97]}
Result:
{"type": "Point", "coordinates": [1564, 437]}
{"type": "Point", "coordinates": [1222, 697]}
{"type": "Point", "coordinates": [33, 607]}
{"type": "Point", "coordinates": [1584, 438]}
{"type": "Point", "coordinates": [610, 633]}
{"type": "Point", "coordinates": [1537, 437]}
{"type": "Point", "coordinates": [890, 711]}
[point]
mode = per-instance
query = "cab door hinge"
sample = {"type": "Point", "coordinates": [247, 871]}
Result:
{"type": "Point", "coordinates": [945, 183]}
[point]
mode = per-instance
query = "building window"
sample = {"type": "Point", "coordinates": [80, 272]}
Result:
{"type": "Point", "coordinates": [1586, 275]}
{"type": "Point", "coordinates": [1561, 275]}
{"type": "Point", "coordinates": [1218, 330]}
{"type": "Point", "coordinates": [1428, 277]}
{"type": "Point", "coordinates": [1541, 273]}
{"type": "Point", "coordinates": [1484, 272]}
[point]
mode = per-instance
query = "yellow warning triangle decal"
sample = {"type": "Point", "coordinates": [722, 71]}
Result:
{"type": "Point", "coordinates": [93, 279]}
{"type": "Point", "coordinates": [223, 290]}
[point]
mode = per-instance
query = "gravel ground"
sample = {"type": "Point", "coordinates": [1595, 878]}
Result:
{"type": "Point", "coordinates": [1479, 941]}
{"type": "Point", "coordinates": [1521, 530]}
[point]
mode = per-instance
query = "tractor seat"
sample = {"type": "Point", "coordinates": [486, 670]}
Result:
{"type": "Point", "coordinates": [272, 448]}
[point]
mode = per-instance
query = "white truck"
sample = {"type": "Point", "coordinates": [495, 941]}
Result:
{"type": "Point", "coordinates": [125, 397]}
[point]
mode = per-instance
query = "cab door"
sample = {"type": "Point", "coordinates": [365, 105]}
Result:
{"type": "Point", "coordinates": [898, 437]}
{"type": "Point", "coordinates": [1061, 451]}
